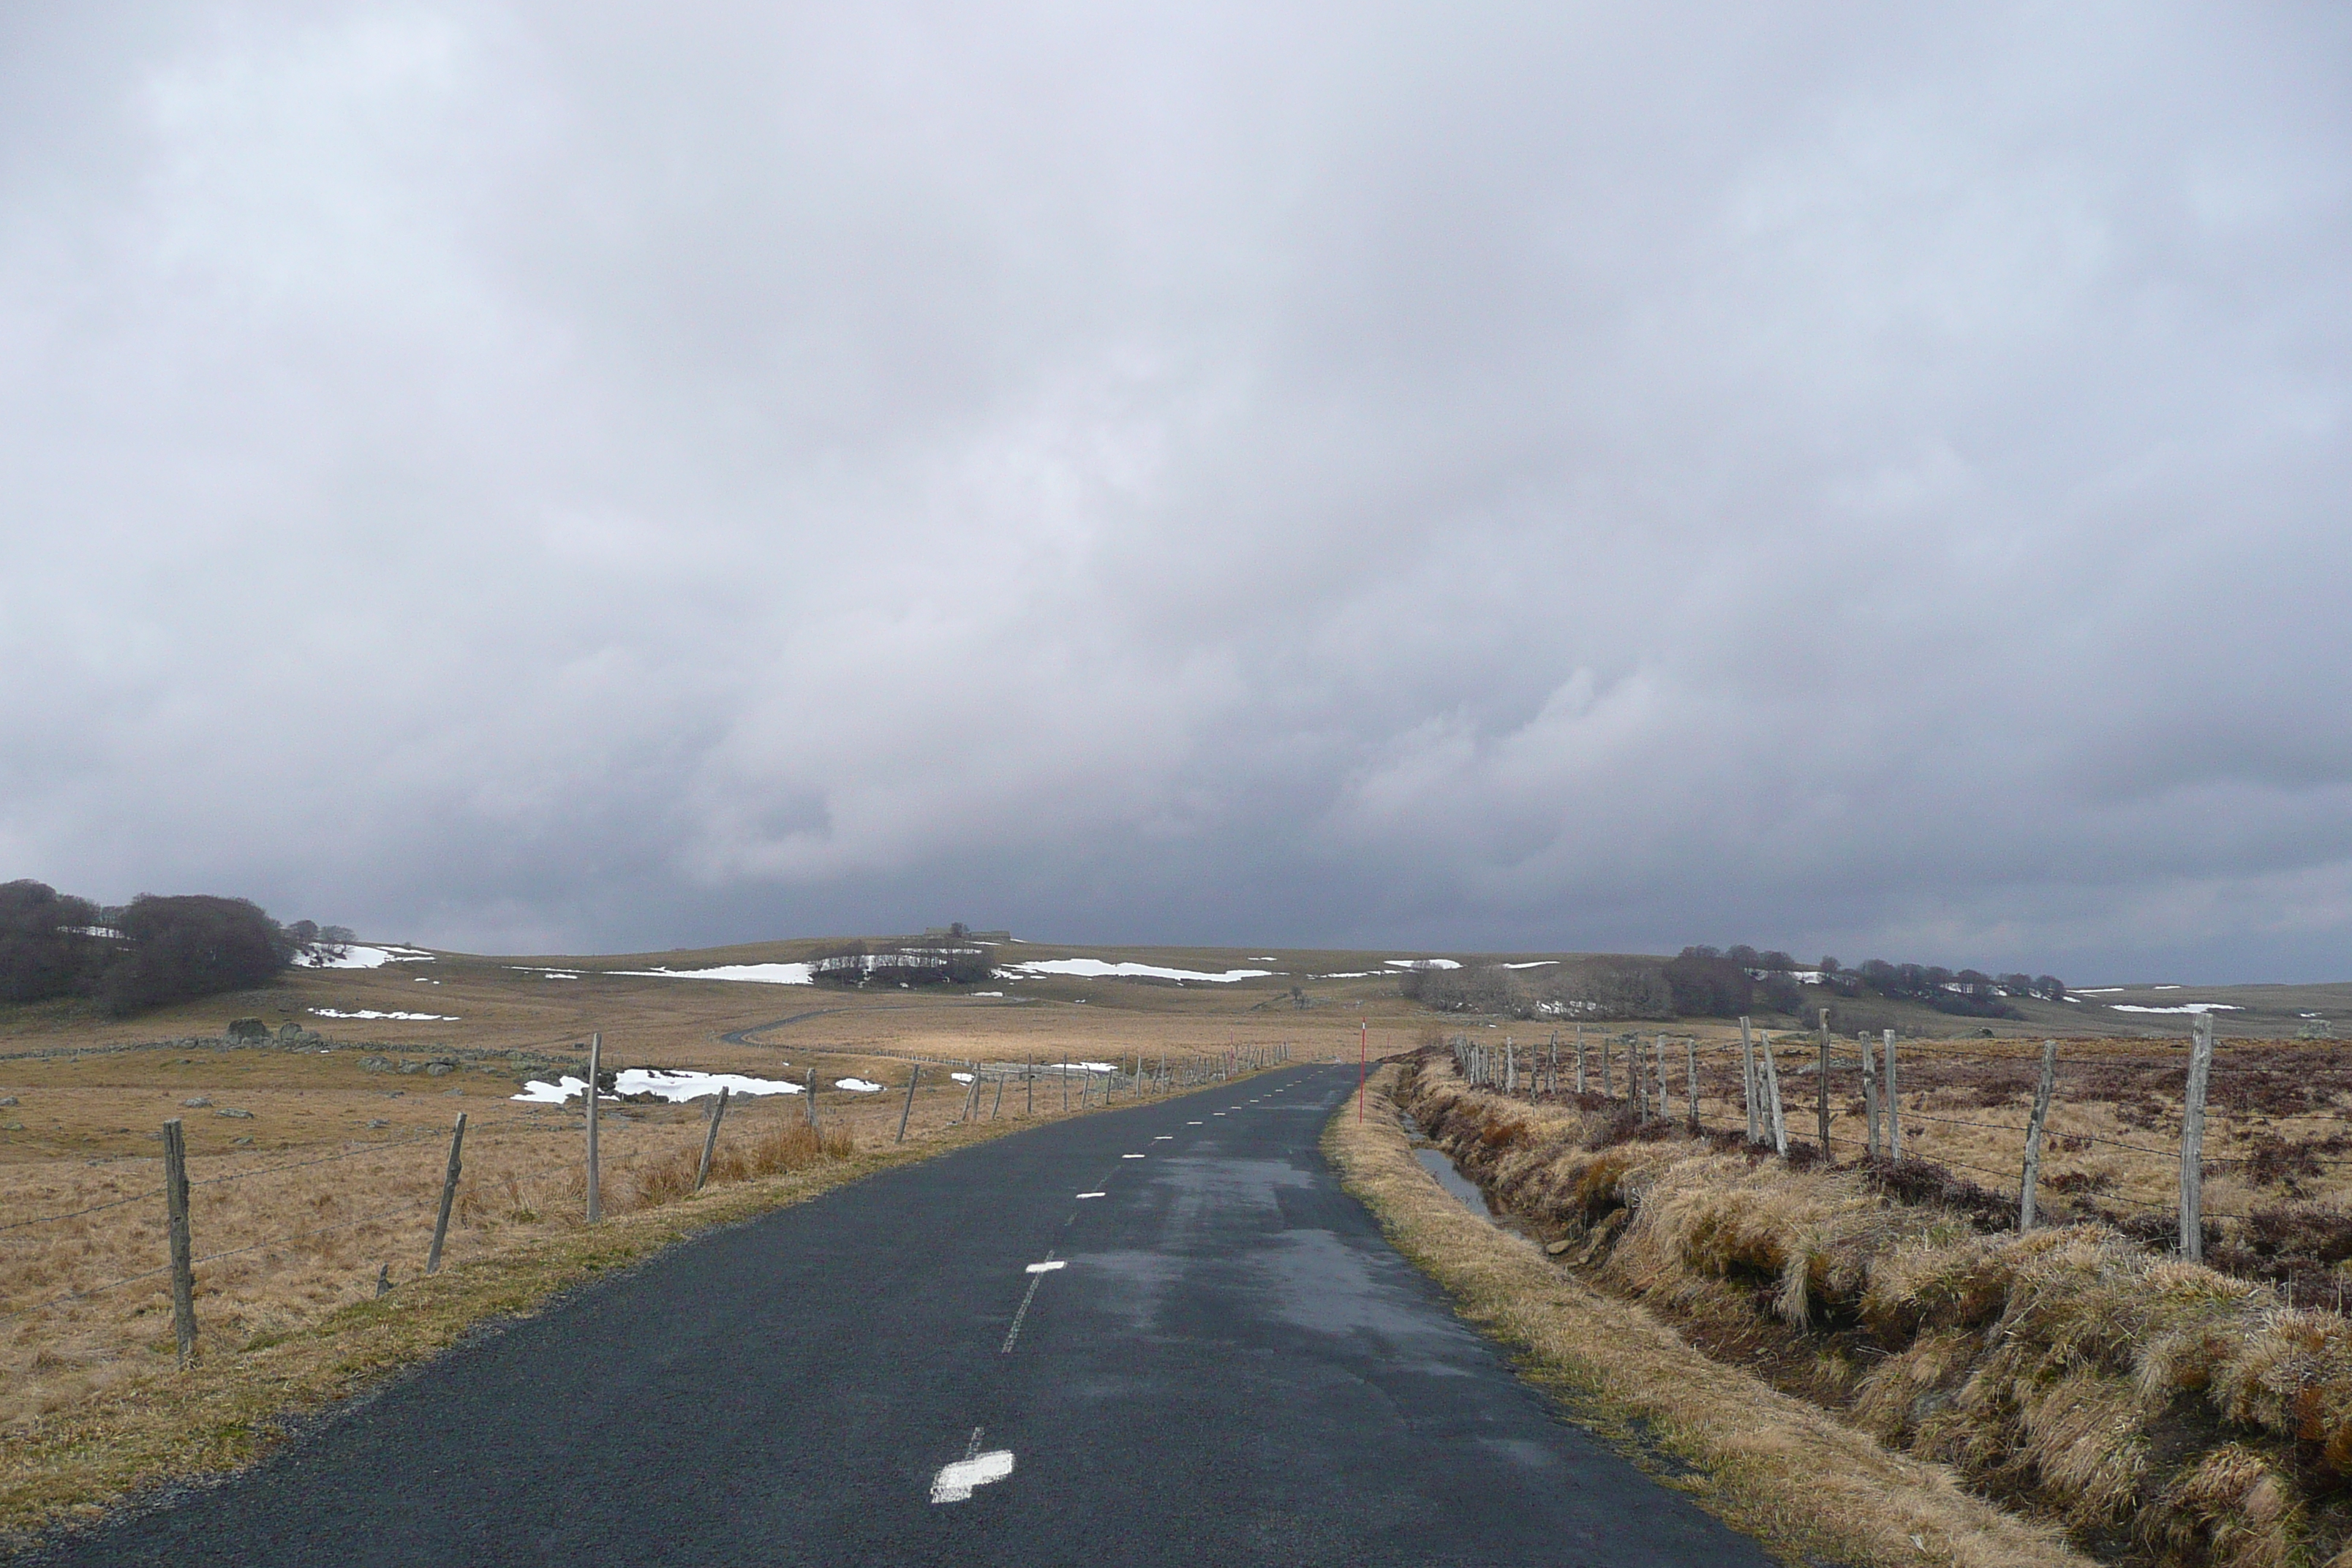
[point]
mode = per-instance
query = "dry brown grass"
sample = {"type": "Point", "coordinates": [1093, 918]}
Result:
{"type": "Point", "coordinates": [2162, 1411]}
{"type": "Point", "coordinates": [1788, 1473]}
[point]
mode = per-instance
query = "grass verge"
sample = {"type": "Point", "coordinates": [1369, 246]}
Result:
{"type": "Point", "coordinates": [1789, 1474]}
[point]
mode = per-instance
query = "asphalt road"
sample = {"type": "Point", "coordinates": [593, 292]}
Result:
{"type": "Point", "coordinates": [1221, 1362]}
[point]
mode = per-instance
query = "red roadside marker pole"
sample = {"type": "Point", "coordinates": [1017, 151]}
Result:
{"type": "Point", "coordinates": [1363, 1066]}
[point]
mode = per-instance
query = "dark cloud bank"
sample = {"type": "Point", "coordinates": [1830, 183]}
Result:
{"type": "Point", "coordinates": [1847, 478]}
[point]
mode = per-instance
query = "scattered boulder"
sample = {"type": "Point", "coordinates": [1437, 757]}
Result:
{"type": "Point", "coordinates": [248, 1029]}
{"type": "Point", "coordinates": [244, 1143]}
{"type": "Point", "coordinates": [379, 1121]}
{"type": "Point", "coordinates": [440, 1070]}
{"type": "Point", "coordinates": [7, 1100]}
{"type": "Point", "coordinates": [195, 1103]}
{"type": "Point", "coordinates": [1557, 1247]}
{"type": "Point", "coordinates": [290, 1033]}
{"type": "Point", "coordinates": [234, 1115]}
{"type": "Point", "coordinates": [412, 1067]}
{"type": "Point", "coordinates": [376, 1064]}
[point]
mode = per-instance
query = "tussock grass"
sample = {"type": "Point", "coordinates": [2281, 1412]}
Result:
{"type": "Point", "coordinates": [2158, 1411]}
{"type": "Point", "coordinates": [1803, 1482]}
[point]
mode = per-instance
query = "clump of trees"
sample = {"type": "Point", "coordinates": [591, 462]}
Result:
{"type": "Point", "coordinates": [1781, 982]}
{"type": "Point", "coordinates": [1717, 983]}
{"type": "Point", "coordinates": [149, 953]}
{"type": "Point", "coordinates": [1588, 989]}
{"type": "Point", "coordinates": [924, 962]}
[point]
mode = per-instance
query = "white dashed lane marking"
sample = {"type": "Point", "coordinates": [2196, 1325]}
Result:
{"type": "Point", "coordinates": [954, 1482]}
{"type": "Point", "coordinates": [1047, 1267]}
{"type": "Point", "coordinates": [1037, 1272]}
{"type": "Point", "coordinates": [1090, 1195]}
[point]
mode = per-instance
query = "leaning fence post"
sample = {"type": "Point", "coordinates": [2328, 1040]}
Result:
{"type": "Point", "coordinates": [175, 1212]}
{"type": "Point", "coordinates": [1772, 1088]}
{"type": "Point", "coordinates": [710, 1140]}
{"type": "Point", "coordinates": [996, 1105]}
{"type": "Point", "coordinates": [448, 1194]}
{"type": "Point", "coordinates": [1893, 1106]}
{"type": "Point", "coordinates": [2192, 1140]}
{"type": "Point", "coordinates": [596, 1061]}
{"type": "Point", "coordinates": [2026, 1188]}
{"type": "Point", "coordinates": [1748, 1081]}
{"type": "Point", "coordinates": [913, 1074]}
{"type": "Point", "coordinates": [1821, 1093]}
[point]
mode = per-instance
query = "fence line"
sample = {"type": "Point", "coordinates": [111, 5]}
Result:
{"type": "Point", "coordinates": [1169, 1074]}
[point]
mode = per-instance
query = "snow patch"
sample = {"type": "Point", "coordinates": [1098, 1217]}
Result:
{"type": "Point", "coordinates": [405, 1018]}
{"type": "Point", "coordinates": [676, 1086]}
{"type": "Point", "coordinates": [753, 974]}
{"type": "Point", "coordinates": [1096, 969]}
{"type": "Point", "coordinates": [2184, 1007]}
{"type": "Point", "coordinates": [858, 1086]}
{"type": "Point", "coordinates": [1423, 963]}
{"type": "Point", "coordinates": [357, 957]}
{"type": "Point", "coordinates": [1537, 964]}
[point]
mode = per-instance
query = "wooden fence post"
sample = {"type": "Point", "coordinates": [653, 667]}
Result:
{"type": "Point", "coordinates": [1747, 1084]}
{"type": "Point", "coordinates": [914, 1075]}
{"type": "Point", "coordinates": [1772, 1088]}
{"type": "Point", "coordinates": [184, 1249]}
{"type": "Point", "coordinates": [1869, 1091]}
{"type": "Point", "coordinates": [1821, 1094]}
{"type": "Point", "coordinates": [448, 1194]}
{"type": "Point", "coordinates": [1029, 1083]}
{"type": "Point", "coordinates": [1580, 1059]}
{"type": "Point", "coordinates": [1690, 1076]}
{"type": "Point", "coordinates": [810, 1094]}
{"type": "Point", "coordinates": [2192, 1140]}
{"type": "Point", "coordinates": [710, 1139]}
{"type": "Point", "coordinates": [1658, 1065]}
{"type": "Point", "coordinates": [996, 1106]}
{"type": "Point", "coordinates": [596, 1062]}
{"type": "Point", "coordinates": [1894, 1105]}
{"type": "Point", "coordinates": [2027, 1188]}
{"type": "Point", "coordinates": [1608, 1089]}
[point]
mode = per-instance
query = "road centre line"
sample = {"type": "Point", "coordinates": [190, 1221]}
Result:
{"type": "Point", "coordinates": [1036, 1278]}
{"type": "Point", "coordinates": [1093, 1194]}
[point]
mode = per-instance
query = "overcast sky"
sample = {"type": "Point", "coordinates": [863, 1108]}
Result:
{"type": "Point", "coordinates": [1856, 478]}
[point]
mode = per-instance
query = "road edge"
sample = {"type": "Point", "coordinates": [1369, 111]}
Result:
{"type": "Point", "coordinates": [1804, 1484]}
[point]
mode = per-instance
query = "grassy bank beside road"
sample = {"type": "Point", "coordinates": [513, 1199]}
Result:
{"type": "Point", "coordinates": [1785, 1471]}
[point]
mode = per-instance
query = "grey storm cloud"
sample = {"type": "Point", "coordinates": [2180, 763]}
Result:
{"type": "Point", "coordinates": [1845, 478]}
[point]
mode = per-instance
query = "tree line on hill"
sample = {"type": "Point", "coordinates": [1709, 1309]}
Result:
{"type": "Point", "coordinates": [951, 960]}
{"type": "Point", "coordinates": [1718, 982]}
{"type": "Point", "coordinates": [149, 953]}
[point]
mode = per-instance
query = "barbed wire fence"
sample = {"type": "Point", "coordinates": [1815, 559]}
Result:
{"type": "Point", "coordinates": [1899, 1092]}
